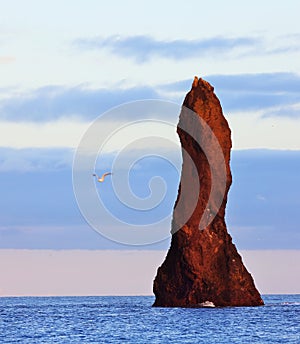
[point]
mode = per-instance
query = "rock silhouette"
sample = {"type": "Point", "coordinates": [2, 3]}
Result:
{"type": "Point", "coordinates": [202, 266]}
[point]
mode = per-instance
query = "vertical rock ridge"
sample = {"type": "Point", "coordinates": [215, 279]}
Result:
{"type": "Point", "coordinates": [202, 263]}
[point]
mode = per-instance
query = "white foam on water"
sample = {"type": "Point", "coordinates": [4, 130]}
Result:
{"type": "Point", "coordinates": [290, 303]}
{"type": "Point", "coordinates": [207, 304]}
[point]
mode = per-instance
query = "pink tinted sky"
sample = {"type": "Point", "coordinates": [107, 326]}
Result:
{"type": "Point", "coordinates": [104, 272]}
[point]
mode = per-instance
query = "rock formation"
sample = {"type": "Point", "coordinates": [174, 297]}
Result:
{"type": "Point", "coordinates": [202, 265]}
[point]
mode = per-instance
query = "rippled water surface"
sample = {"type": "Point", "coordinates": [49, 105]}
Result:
{"type": "Point", "coordinates": [133, 320]}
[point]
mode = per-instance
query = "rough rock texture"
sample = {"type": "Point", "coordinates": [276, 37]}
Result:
{"type": "Point", "coordinates": [203, 264]}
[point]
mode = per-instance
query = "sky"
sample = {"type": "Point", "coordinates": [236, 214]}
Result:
{"type": "Point", "coordinates": [65, 67]}
{"type": "Point", "coordinates": [43, 272]}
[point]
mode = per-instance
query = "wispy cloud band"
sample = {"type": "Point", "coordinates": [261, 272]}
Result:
{"type": "Point", "coordinates": [143, 48]}
{"type": "Point", "coordinates": [53, 102]}
{"type": "Point", "coordinates": [49, 218]}
{"type": "Point", "coordinates": [274, 94]}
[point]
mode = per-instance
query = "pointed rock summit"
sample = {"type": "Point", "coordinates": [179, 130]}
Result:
{"type": "Point", "coordinates": [202, 265]}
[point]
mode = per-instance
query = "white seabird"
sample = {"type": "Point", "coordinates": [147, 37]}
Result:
{"type": "Point", "coordinates": [100, 180]}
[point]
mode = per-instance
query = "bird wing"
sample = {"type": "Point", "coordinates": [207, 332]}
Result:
{"type": "Point", "coordinates": [106, 174]}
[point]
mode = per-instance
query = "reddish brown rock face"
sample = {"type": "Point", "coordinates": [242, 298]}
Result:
{"type": "Point", "coordinates": [202, 263]}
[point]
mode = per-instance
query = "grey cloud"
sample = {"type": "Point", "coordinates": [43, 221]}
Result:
{"type": "Point", "coordinates": [142, 48]}
{"type": "Point", "coordinates": [262, 91]}
{"type": "Point", "coordinates": [43, 200]}
{"type": "Point", "coordinates": [257, 82]}
{"type": "Point", "coordinates": [53, 102]}
{"type": "Point", "coordinates": [268, 83]}
{"type": "Point", "coordinates": [277, 94]}
{"type": "Point", "coordinates": [244, 92]}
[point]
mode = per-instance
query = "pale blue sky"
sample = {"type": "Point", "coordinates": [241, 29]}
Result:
{"type": "Point", "coordinates": [42, 36]}
{"type": "Point", "coordinates": [62, 63]}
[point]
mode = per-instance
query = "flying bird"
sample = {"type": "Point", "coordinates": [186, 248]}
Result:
{"type": "Point", "coordinates": [100, 180]}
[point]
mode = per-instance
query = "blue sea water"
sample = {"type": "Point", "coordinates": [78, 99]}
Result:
{"type": "Point", "coordinates": [133, 320]}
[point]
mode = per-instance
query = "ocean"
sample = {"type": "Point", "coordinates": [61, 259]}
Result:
{"type": "Point", "coordinates": [120, 319]}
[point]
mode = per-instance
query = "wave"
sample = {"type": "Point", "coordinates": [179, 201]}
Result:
{"type": "Point", "coordinates": [290, 303]}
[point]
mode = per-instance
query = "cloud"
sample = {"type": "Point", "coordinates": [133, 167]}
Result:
{"type": "Point", "coordinates": [285, 44]}
{"type": "Point", "coordinates": [42, 135]}
{"type": "Point", "coordinates": [271, 173]}
{"type": "Point", "coordinates": [53, 102]}
{"type": "Point", "coordinates": [142, 48]}
{"type": "Point", "coordinates": [258, 92]}
{"type": "Point", "coordinates": [272, 93]}
{"type": "Point", "coordinates": [47, 236]}
{"type": "Point", "coordinates": [35, 159]}
{"type": "Point", "coordinates": [292, 112]}
{"type": "Point", "coordinates": [268, 83]}
{"type": "Point", "coordinates": [38, 207]}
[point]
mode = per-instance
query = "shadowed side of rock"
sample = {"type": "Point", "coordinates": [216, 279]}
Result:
{"type": "Point", "coordinates": [202, 263]}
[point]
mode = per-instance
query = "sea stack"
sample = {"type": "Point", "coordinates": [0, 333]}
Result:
{"type": "Point", "coordinates": [202, 266]}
